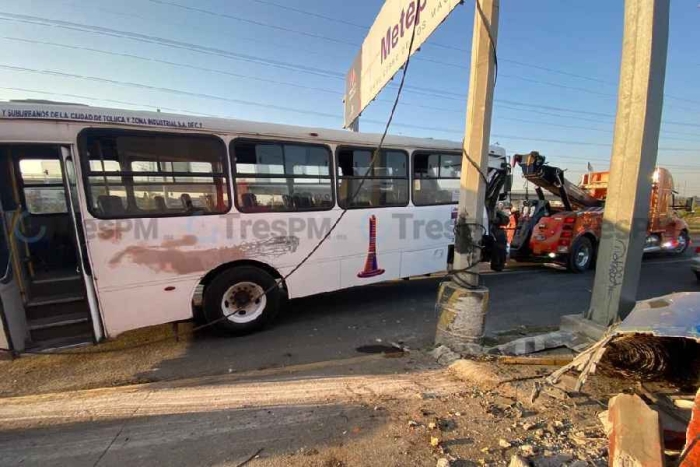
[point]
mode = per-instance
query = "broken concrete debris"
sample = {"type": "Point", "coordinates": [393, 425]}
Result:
{"type": "Point", "coordinates": [645, 347]}
{"type": "Point", "coordinates": [658, 339]}
{"type": "Point", "coordinates": [529, 425]}
{"type": "Point", "coordinates": [444, 355]}
{"type": "Point", "coordinates": [635, 434]}
{"type": "Point", "coordinates": [504, 444]}
{"type": "Point", "coordinates": [475, 372]}
{"type": "Point", "coordinates": [528, 450]}
{"type": "Point", "coordinates": [538, 343]}
{"type": "Point", "coordinates": [678, 434]}
{"type": "Point", "coordinates": [517, 461]}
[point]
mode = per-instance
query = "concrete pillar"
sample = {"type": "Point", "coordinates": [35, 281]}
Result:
{"type": "Point", "coordinates": [635, 146]}
{"type": "Point", "coordinates": [477, 131]}
{"type": "Point", "coordinates": [462, 303]}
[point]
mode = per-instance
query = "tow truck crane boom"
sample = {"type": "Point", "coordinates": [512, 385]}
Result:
{"type": "Point", "coordinates": [553, 180]}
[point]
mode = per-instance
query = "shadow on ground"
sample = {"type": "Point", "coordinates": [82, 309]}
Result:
{"type": "Point", "coordinates": [202, 438]}
{"type": "Point", "coordinates": [318, 329]}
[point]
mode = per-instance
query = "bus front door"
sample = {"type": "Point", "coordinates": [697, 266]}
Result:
{"type": "Point", "coordinates": [42, 239]}
{"type": "Point", "coordinates": [13, 328]}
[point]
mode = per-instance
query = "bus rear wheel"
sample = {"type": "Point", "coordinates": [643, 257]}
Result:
{"type": "Point", "coordinates": [242, 300]}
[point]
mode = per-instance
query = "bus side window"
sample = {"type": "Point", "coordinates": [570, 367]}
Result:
{"type": "Point", "coordinates": [42, 180]}
{"type": "Point", "coordinates": [385, 184]}
{"type": "Point", "coordinates": [282, 177]}
{"type": "Point", "coordinates": [436, 178]}
{"type": "Point", "coordinates": [144, 174]}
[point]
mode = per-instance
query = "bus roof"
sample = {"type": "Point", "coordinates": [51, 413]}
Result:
{"type": "Point", "coordinates": [66, 112]}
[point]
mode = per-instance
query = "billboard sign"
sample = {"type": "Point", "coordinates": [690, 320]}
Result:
{"type": "Point", "coordinates": [385, 49]}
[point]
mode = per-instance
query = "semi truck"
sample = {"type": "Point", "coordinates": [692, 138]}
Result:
{"type": "Point", "coordinates": [570, 235]}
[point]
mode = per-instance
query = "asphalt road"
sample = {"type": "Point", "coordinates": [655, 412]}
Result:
{"type": "Point", "coordinates": [336, 325]}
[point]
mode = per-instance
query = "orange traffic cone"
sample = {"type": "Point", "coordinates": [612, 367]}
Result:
{"type": "Point", "coordinates": [371, 266]}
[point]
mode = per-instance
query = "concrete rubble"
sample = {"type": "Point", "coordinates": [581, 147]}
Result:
{"type": "Point", "coordinates": [537, 435]}
{"type": "Point", "coordinates": [659, 338]}
{"type": "Point", "coordinates": [658, 342]}
{"type": "Point", "coordinates": [538, 343]}
{"type": "Point", "coordinates": [444, 355]}
{"type": "Point", "coordinates": [517, 461]}
{"type": "Point", "coordinates": [635, 434]}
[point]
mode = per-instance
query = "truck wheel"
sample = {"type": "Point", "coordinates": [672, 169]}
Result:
{"type": "Point", "coordinates": [237, 302]}
{"type": "Point", "coordinates": [683, 243]}
{"type": "Point", "coordinates": [580, 256]}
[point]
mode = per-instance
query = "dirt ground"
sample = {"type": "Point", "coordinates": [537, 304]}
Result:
{"type": "Point", "coordinates": [117, 363]}
{"type": "Point", "coordinates": [114, 363]}
{"type": "Point", "coordinates": [387, 409]}
{"type": "Point", "coordinates": [469, 428]}
{"type": "Point", "coordinates": [110, 405]}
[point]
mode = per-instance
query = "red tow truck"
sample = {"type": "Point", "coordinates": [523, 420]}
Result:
{"type": "Point", "coordinates": [570, 235]}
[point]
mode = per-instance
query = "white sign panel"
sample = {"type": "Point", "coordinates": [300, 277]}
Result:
{"type": "Point", "coordinates": [385, 49]}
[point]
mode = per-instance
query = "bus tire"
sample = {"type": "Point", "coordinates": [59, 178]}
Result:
{"type": "Point", "coordinates": [236, 302]}
{"type": "Point", "coordinates": [581, 255]}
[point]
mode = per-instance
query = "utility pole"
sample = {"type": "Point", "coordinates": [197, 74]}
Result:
{"type": "Point", "coordinates": [635, 147]}
{"type": "Point", "coordinates": [462, 302]}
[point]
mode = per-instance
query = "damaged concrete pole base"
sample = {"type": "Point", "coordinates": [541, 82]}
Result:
{"type": "Point", "coordinates": [461, 318]}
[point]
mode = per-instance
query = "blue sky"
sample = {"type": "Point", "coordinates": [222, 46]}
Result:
{"type": "Point", "coordinates": [556, 90]}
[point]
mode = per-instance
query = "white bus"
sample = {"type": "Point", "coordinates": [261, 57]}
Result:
{"type": "Point", "coordinates": [114, 220]}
